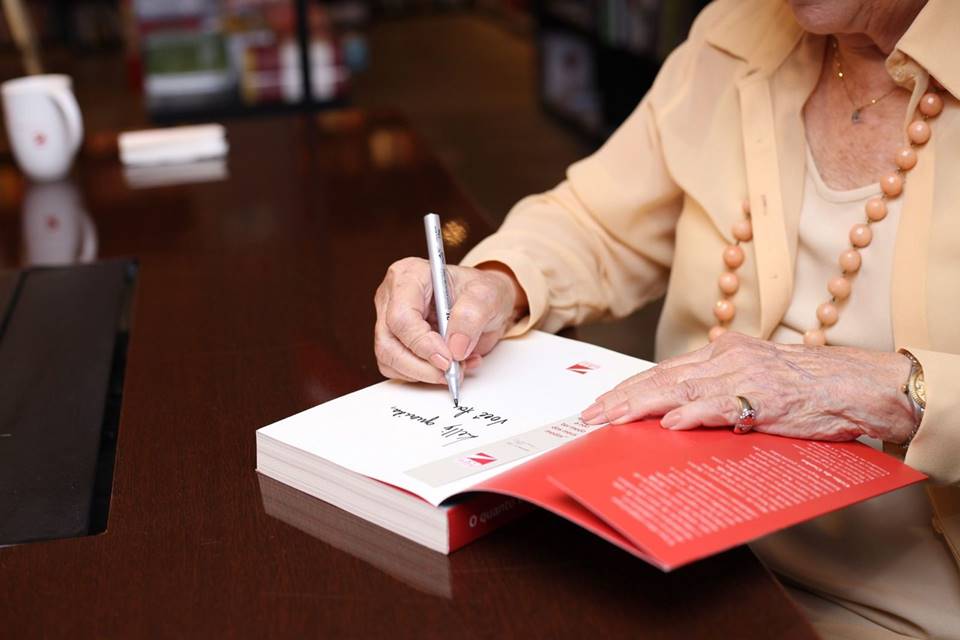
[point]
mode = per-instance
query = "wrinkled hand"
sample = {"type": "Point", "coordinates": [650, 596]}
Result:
{"type": "Point", "coordinates": [406, 341]}
{"type": "Point", "coordinates": [819, 393]}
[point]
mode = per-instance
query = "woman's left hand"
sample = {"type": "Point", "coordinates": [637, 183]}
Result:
{"type": "Point", "coordinates": [819, 393]}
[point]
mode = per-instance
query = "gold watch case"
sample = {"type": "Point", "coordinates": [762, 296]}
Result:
{"type": "Point", "coordinates": [916, 388]}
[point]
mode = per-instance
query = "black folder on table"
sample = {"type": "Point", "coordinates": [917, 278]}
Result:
{"type": "Point", "coordinates": [63, 335]}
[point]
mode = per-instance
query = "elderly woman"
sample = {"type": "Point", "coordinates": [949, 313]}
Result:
{"type": "Point", "coordinates": [791, 182]}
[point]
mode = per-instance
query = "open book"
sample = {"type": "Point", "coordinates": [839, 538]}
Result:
{"type": "Point", "coordinates": [403, 457]}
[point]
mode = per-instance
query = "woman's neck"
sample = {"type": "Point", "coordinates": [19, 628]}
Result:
{"type": "Point", "coordinates": [864, 44]}
{"type": "Point", "coordinates": [877, 27]}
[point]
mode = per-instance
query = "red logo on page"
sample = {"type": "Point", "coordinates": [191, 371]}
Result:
{"type": "Point", "coordinates": [583, 367]}
{"type": "Point", "coordinates": [478, 459]}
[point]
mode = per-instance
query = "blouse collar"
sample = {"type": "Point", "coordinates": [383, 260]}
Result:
{"type": "Point", "coordinates": [764, 32]}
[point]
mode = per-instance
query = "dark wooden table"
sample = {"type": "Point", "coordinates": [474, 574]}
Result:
{"type": "Point", "coordinates": [255, 302]}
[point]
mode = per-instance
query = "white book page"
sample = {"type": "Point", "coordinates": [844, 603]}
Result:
{"type": "Point", "coordinates": [522, 401]}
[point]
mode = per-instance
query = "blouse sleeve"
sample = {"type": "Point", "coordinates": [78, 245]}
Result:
{"type": "Point", "coordinates": [600, 244]}
{"type": "Point", "coordinates": [935, 450]}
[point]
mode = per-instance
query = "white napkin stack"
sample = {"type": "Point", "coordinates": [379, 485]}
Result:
{"type": "Point", "coordinates": [173, 145]}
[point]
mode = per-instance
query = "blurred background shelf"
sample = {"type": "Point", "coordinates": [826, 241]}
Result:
{"type": "Point", "coordinates": [204, 57]}
{"type": "Point", "coordinates": [78, 24]}
{"type": "Point", "coordinates": [507, 93]}
{"type": "Point", "coordinates": [201, 59]}
{"type": "Point", "coordinates": [599, 57]}
{"type": "Point", "coordinates": [195, 59]}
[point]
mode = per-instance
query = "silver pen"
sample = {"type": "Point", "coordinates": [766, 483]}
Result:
{"type": "Point", "coordinates": [441, 294]}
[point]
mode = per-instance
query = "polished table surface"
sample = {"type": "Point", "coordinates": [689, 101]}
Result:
{"type": "Point", "coordinates": [255, 302]}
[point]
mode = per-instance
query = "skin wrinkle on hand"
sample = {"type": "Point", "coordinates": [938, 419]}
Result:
{"type": "Point", "coordinates": [406, 342]}
{"type": "Point", "coordinates": [796, 391]}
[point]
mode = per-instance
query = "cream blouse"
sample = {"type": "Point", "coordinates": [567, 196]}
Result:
{"type": "Point", "coordinates": [652, 211]}
{"type": "Point", "coordinates": [835, 558]}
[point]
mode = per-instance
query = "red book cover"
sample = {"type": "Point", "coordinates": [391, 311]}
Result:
{"type": "Point", "coordinates": [479, 515]}
{"type": "Point", "coordinates": [677, 496]}
{"type": "Point", "coordinates": [531, 482]}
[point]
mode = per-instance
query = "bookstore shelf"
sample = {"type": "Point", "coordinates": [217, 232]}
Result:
{"type": "Point", "coordinates": [597, 58]}
{"type": "Point", "coordinates": [201, 59]}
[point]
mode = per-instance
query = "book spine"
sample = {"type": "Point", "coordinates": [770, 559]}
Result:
{"type": "Point", "coordinates": [477, 517]}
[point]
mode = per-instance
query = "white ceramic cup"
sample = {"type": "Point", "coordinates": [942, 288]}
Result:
{"type": "Point", "coordinates": [56, 227]}
{"type": "Point", "coordinates": [43, 123]}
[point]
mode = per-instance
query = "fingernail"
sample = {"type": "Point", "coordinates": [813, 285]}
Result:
{"type": "Point", "coordinates": [618, 412]}
{"type": "Point", "coordinates": [591, 412]}
{"type": "Point", "coordinates": [439, 362]}
{"type": "Point", "coordinates": [669, 421]}
{"type": "Point", "coordinates": [458, 343]}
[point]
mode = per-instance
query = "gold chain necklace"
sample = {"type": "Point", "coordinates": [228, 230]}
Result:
{"type": "Point", "coordinates": [855, 116]}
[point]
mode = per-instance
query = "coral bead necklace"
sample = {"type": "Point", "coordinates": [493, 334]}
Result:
{"type": "Point", "coordinates": [860, 236]}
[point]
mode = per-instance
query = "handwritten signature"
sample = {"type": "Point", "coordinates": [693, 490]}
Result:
{"type": "Point", "coordinates": [453, 432]}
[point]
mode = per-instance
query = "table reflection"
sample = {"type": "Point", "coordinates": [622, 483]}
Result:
{"type": "Point", "coordinates": [392, 148]}
{"type": "Point", "coordinates": [169, 175]}
{"type": "Point", "coordinates": [57, 230]}
{"type": "Point", "coordinates": [416, 566]}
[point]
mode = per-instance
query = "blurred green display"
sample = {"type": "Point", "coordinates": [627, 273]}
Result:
{"type": "Point", "coordinates": [185, 52]}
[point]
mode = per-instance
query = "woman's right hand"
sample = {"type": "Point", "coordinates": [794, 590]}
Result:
{"type": "Point", "coordinates": [406, 341]}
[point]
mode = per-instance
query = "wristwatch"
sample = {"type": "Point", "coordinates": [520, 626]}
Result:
{"type": "Point", "coordinates": [916, 391]}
